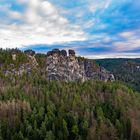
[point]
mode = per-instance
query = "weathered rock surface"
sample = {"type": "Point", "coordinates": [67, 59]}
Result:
{"type": "Point", "coordinates": [31, 58]}
{"type": "Point", "coordinates": [25, 68]}
{"type": "Point", "coordinates": [63, 67]}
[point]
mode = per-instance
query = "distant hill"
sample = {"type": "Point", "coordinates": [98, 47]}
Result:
{"type": "Point", "coordinates": [125, 70]}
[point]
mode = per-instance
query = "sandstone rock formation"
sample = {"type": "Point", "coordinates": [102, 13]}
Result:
{"type": "Point", "coordinates": [60, 66]}
{"type": "Point", "coordinates": [32, 59]}
{"type": "Point", "coordinates": [63, 67]}
{"type": "Point", "coordinates": [25, 68]}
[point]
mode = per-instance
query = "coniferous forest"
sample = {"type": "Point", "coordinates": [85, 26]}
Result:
{"type": "Point", "coordinates": [33, 108]}
{"type": "Point", "coordinates": [125, 70]}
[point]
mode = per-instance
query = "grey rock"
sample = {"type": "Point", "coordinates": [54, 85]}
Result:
{"type": "Point", "coordinates": [49, 53]}
{"type": "Point", "coordinates": [72, 52]}
{"type": "Point", "coordinates": [61, 67]}
{"type": "Point", "coordinates": [64, 53]}
{"type": "Point", "coordinates": [30, 52]}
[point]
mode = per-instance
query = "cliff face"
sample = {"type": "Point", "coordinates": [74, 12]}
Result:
{"type": "Point", "coordinates": [63, 67]}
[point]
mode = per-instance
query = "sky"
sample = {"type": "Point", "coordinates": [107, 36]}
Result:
{"type": "Point", "coordinates": [93, 28]}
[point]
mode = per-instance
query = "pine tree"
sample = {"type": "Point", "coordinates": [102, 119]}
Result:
{"type": "Point", "coordinates": [49, 136]}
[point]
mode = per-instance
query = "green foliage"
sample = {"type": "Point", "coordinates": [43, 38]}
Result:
{"type": "Point", "coordinates": [6, 58]}
{"type": "Point", "coordinates": [125, 70]}
{"type": "Point", "coordinates": [49, 135]}
{"type": "Point", "coordinates": [31, 108]}
{"type": "Point", "coordinates": [69, 111]}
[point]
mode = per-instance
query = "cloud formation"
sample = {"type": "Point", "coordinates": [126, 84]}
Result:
{"type": "Point", "coordinates": [39, 23]}
{"type": "Point", "coordinates": [94, 28]}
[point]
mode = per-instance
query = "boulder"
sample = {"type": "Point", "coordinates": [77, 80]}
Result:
{"type": "Point", "coordinates": [30, 52]}
{"type": "Point", "coordinates": [56, 51]}
{"type": "Point", "coordinates": [64, 53]}
{"type": "Point", "coordinates": [71, 53]}
{"type": "Point", "coordinates": [49, 53]}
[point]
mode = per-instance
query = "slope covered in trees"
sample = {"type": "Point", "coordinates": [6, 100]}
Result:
{"type": "Point", "coordinates": [36, 109]}
{"type": "Point", "coordinates": [125, 70]}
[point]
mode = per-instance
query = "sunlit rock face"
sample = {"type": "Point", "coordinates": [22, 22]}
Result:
{"type": "Point", "coordinates": [61, 66]}
{"type": "Point", "coordinates": [31, 58]}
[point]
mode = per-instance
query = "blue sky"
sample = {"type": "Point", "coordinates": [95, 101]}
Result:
{"type": "Point", "coordinates": [94, 28]}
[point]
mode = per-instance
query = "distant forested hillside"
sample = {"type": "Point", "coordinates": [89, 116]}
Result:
{"type": "Point", "coordinates": [125, 70]}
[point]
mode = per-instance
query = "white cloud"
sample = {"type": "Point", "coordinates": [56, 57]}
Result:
{"type": "Point", "coordinates": [15, 14]}
{"type": "Point", "coordinates": [41, 23]}
{"type": "Point", "coordinates": [126, 34]}
{"type": "Point", "coordinates": [130, 41]}
{"type": "Point", "coordinates": [113, 55]}
{"type": "Point", "coordinates": [127, 45]}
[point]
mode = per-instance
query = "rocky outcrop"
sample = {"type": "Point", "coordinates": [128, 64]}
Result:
{"type": "Point", "coordinates": [60, 66]}
{"type": "Point", "coordinates": [14, 53]}
{"type": "Point", "coordinates": [63, 67]}
{"type": "Point", "coordinates": [31, 58]}
{"type": "Point", "coordinates": [25, 68]}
